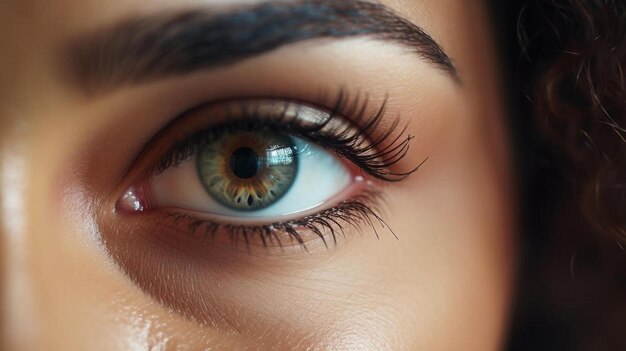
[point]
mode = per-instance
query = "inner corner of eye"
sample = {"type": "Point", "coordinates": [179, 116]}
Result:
{"type": "Point", "coordinates": [134, 199]}
{"type": "Point", "coordinates": [262, 175]}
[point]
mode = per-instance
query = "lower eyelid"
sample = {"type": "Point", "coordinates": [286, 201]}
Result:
{"type": "Point", "coordinates": [193, 233]}
{"type": "Point", "coordinates": [159, 254]}
{"type": "Point", "coordinates": [138, 201]}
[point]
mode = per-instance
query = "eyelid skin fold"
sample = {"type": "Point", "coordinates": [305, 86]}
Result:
{"type": "Point", "coordinates": [342, 124]}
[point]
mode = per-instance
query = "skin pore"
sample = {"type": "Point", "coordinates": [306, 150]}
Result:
{"type": "Point", "coordinates": [77, 274]}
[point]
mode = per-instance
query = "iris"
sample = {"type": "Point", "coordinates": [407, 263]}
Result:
{"type": "Point", "coordinates": [249, 170]}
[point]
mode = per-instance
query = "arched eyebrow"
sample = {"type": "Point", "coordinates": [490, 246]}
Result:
{"type": "Point", "coordinates": [141, 49]}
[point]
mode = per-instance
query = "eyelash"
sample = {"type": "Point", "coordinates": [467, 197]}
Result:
{"type": "Point", "coordinates": [357, 144]}
{"type": "Point", "coordinates": [347, 142]}
{"type": "Point", "coordinates": [353, 212]}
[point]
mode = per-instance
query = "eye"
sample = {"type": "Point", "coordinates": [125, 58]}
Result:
{"type": "Point", "coordinates": [269, 167]}
{"type": "Point", "coordinates": [264, 174]}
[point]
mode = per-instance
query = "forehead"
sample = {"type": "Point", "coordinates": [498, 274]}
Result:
{"type": "Point", "coordinates": [33, 33]}
{"type": "Point", "coordinates": [34, 29]}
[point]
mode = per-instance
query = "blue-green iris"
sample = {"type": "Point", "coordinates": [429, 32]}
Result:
{"type": "Point", "coordinates": [248, 171]}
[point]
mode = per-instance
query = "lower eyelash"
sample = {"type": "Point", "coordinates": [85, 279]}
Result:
{"type": "Point", "coordinates": [328, 224]}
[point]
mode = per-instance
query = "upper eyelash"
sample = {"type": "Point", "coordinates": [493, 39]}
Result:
{"type": "Point", "coordinates": [354, 142]}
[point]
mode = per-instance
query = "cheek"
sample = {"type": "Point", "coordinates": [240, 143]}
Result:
{"type": "Point", "coordinates": [446, 282]}
{"type": "Point", "coordinates": [453, 268]}
{"type": "Point", "coordinates": [470, 201]}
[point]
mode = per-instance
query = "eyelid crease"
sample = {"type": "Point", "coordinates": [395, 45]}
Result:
{"type": "Point", "coordinates": [345, 128]}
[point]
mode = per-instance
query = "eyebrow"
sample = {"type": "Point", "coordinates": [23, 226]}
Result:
{"type": "Point", "coordinates": [141, 49]}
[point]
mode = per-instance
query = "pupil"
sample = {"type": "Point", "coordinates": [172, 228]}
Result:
{"type": "Point", "coordinates": [244, 163]}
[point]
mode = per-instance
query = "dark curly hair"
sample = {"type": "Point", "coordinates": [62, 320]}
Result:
{"type": "Point", "coordinates": [568, 99]}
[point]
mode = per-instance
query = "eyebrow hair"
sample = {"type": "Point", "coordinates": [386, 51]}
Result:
{"type": "Point", "coordinates": [141, 49]}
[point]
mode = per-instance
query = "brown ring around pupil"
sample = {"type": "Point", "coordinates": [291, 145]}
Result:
{"type": "Point", "coordinates": [248, 171]}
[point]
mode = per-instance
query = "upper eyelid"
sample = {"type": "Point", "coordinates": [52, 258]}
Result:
{"type": "Point", "coordinates": [245, 109]}
{"type": "Point", "coordinates": [320, 101]}
{"type": "Point", "coordinates": [353, 110]}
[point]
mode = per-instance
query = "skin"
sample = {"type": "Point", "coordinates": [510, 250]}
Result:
{"type": "Point", "coordinates": [444, 284]}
